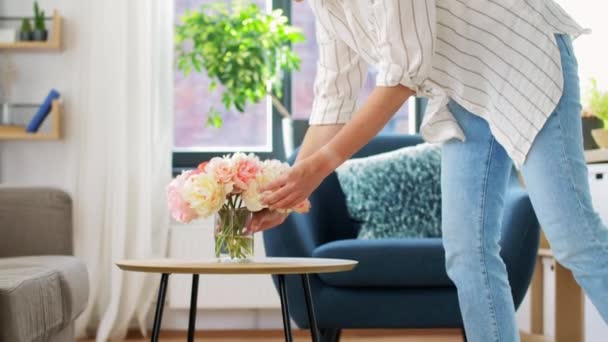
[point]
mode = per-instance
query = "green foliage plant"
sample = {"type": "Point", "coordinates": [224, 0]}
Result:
{"type": "Point", "coordinates": [39, 23]}
{"type": "Point", "coordinates": [597, 102]}
{"type": "Point", "coordinates": [26, 25]}
{"type": "Point", "coordinates": [242, 48]}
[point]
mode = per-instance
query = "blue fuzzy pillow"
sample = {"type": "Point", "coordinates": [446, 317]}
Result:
{"type": "Point", "coordinates": [395, 194]}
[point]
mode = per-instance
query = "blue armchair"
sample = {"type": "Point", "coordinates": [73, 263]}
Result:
{"type": "Point", "coordinates": [399, 283]}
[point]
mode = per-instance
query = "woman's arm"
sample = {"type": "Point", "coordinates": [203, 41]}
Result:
{"type": "Point", "coordinates": [382, 104]}
{"type": "Point", "coordinates": [321, 152]}
{"type": "Point", "coordinates": [368, 121]}
{"type": "Point", "coordinates": [315, 138]}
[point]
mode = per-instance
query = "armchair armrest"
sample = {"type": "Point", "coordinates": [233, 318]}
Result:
{"type": "Point", "coordinates": [35, 221]}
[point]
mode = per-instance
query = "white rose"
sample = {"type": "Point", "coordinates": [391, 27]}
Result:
{"type": "Point", "coordinates": [205, 195]}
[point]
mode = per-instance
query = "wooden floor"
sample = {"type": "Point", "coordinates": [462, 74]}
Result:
{"type": "Point", "coordinates": [447, 335]}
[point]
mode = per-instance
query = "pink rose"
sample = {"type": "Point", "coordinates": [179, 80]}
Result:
{"type": "Point", "coordinates": [179, 208]}
{"type": "Point", "coordinates": [223, 171]}
{"type": "Point", "coordinates": [247, 168]}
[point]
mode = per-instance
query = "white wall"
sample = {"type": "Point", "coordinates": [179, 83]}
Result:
{"type": "Point", "coordinates": [31, 162]}
{"type": "Point", "coordinates": [590, 49]}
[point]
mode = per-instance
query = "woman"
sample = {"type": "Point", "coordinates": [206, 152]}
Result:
{"type": "Point", "coordinates": [503, 89]}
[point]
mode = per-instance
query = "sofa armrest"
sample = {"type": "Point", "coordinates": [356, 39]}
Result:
{"type": "Point", "coordinates": [35, 221]}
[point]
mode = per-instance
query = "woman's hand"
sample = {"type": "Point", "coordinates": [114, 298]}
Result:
{"type": "Point", "coordinates": [298, 183]}
{"type": "Point", "coordinates": [266, 219]}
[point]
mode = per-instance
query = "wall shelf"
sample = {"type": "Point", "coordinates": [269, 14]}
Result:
{"type": "Point", "coordinates": [52, 43]}
{"type": "Point", "coordinates": [18, 132]}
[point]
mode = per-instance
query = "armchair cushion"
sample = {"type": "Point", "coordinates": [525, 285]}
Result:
{"type": "Point", "coordinates": [40, 296]}
{"type": "Point", "coordinates": [395, 194]}
{"type": "Point", "coordinates": [385, 263]}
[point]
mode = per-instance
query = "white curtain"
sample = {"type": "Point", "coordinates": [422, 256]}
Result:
{"type": "Point", "coordinates": [122, 138]}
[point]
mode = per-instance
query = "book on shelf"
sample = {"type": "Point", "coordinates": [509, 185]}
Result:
{"type": "Point", "coordinates": [43, 112]}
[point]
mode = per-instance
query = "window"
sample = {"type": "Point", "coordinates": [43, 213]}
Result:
{"type": "Point", "coordinates": [248, 131]}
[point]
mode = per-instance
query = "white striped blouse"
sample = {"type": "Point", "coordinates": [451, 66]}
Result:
{"type": "Point", "coordinates": [497, 58]}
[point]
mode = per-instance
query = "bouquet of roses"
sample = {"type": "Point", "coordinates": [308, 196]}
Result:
{"type": "Point", "coordinates": [228, 187]}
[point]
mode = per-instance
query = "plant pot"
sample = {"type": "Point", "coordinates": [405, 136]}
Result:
{"type": "Point", "coordinates": [293, 134]}
{"type": "Point", "coordinates": [600, 135]}
{"type": "Point", "coordinates": [589, 124]}
{"type": "Point", "coordinates": [299, 131]}
{"type": "Point", "coordinates": [25, 36]}
{"type": "Point", "coordinates": [40, 35]}
{"type": "Point", "coordinates": [287, 126]}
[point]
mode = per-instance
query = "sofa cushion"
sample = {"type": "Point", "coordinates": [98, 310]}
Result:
{"type": "Point", "coordinates": [387, 263]}
{"type": "Point", "coordinates": [395, 194]}
{"type": "Point", "coordinates": [40, 295]}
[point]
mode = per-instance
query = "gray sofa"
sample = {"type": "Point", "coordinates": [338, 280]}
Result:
{"type": "Point", "coordinates": [42, 287]}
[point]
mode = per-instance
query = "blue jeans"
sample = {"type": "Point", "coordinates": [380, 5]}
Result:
{"type": "Point", "coordinates": [474, 180]}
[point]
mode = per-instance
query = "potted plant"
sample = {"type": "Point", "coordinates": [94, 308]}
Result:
{"type": "Point", "coordinates": [597, 104]}
{"type": "Point", "coordinates": [25, 33]}
{"type": "Point", "coordinates": [244, 50]}
{"type": "Point", "coordinates": [40, 32]}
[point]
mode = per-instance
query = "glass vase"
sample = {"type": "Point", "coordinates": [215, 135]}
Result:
{"type": "Point", "coordinates": [233, 242]}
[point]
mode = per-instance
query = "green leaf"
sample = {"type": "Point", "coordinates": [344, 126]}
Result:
{"type": "Point", "coordinates": [243, 49]}
{"type": "Point", "coordinates": [597, 102]}
{"type": "Point", "coordinates": [214, 119]}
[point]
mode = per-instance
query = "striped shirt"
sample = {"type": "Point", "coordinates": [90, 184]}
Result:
{"type": "Point", "coordinates": [497, 58]}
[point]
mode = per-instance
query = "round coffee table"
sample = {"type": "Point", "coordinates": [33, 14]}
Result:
{"type": "Point", "coordinates": [271, 266]}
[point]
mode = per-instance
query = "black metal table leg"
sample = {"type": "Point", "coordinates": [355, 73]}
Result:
{"type": "Point", "coordinates": [160, 303]}
{"type": "Point", "coordinates": [312, 319]}
{"type": "Point", "coordinates": [285, 309]}
{"type": "Point", "coordinates": [193, 300]}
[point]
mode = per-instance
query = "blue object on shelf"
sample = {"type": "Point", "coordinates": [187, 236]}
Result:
{"type": "Point", "coordinates": [42, 112]}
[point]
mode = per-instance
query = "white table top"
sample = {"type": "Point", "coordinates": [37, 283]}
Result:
{"type": "Point", "coordinates": [253, 266]}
